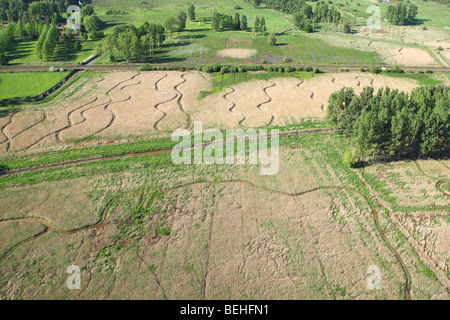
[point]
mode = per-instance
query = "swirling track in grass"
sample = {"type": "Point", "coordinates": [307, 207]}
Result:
{"type": "Point", "coordinates": [180, 105]}
{"type": "Point", "coordinates": [259, 106]}
{"type": "Point", "coordinates": [439, 182]}
{"type": "Point", "coordinates": [225, 97]}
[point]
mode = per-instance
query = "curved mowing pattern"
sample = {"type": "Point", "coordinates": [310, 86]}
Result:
{"type": "Point", "coordinates": [259, 106]}
{"type": "Point", "coordinates": [225, 97]}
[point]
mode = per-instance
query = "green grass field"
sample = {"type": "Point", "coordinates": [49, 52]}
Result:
{"type": "Point", "coordinates": [23, 84]}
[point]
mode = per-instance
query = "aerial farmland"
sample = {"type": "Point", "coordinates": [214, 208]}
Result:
{"type": "Point", "coordinates": [225, 150]}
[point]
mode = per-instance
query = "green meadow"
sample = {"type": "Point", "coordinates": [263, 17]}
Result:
{"type": "Point", "coordinates": [23, 84]}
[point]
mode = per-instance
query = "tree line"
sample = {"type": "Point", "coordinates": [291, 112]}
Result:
{"type": "Point", "coordinates": [391, 123]}
{"type": "Point", "coordinates": [223, 21]}
{"type": "Point", "coordinates": [401, 14]}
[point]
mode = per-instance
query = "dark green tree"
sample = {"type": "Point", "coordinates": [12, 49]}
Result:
{"type": "Point", "coordinates": [191, 11]}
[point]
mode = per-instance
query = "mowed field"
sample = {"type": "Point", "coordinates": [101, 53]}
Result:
{"type": "Point", "coordinates": [144, 228]}
{"type": "Point", "coordinates": [23, 84]}
{"type": "Point", "coordinates": [105, 107]}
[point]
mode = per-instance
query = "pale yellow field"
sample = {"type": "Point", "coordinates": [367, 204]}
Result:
{"type": "Point", "coordinates": [123, 105]}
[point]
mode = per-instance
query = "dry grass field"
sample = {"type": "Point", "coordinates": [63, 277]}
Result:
{"type": "Point", "coordinates": [121, 105]}
{"type": "Point", "coordinates": [226, 232]}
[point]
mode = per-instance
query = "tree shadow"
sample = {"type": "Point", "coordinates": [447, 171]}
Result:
{"type": "Point", "coordinates": [8, 112]}
{"type": "Point", "coordinates": [21, 50]}
{"type": "Point", "coordinates": [193, 36]}
{"type": "Point", "coordinates": [176, 44]}
{"type": "Point", "coordinates": [108, 24]}
{"type": "Point", "coordinates": [65, 52]}
{"type": "Point", "coordinates": [165, 60]}
{"type": "Point", "coordinates": [436, 155]}
{"type": "Point", "coordinates": [3, 169]}
{"type": "Point", "coordinates": [418, 22]}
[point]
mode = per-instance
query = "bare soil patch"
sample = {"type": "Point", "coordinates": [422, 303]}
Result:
{"type": "Point", "coordinates": [237, 53]}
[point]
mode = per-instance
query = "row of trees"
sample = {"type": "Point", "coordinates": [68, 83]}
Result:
{"type": "Point", "coordinates": [46, 44]}
{"type": "Point", "coordinates": [223, 21]}
{"type": "Point", "coordinates": [401, 14]}
{"type": "Point", "coordinates": [260, 26]}
{"type": "Point", "coordinates": [392, 123]}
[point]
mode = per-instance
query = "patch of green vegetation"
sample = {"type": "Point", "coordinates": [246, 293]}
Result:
{"type": "Point", "coordinates": [422, 79]}
{"type": "Point", "coordinates": [424, 269]}
{"type": "Point", "coordinates": [164, 231]}
{"type": "Point", "coordinates": [267, 224]}
{"type": "Point", "coordinates": [446, 186]}
{"type": "Point", "coordinates": [204, 93]}
{"type": "Point", "coordinates": [189, 267]}
{"type": "Point", "coordinates": [341, 291]}
{"type": "Point", "coordinates": [24, 84]}
{"type": "Point", "coordinates": [232, 79]}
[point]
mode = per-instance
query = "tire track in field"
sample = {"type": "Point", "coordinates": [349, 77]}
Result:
{"type": "Point", "coordinates": [155, 125]}
{"type": "Point", "coordinates": [208, 247]}
{"type": "Point", "coordinates": [104, 104]}
{"type": "Point", "coordinates": [31, 126]}
{"type": "Point", "coordinates": [322, 106]}
{"type": "Point", "coordinates": [113, 115]}
{"type": "Point", "coordinates": [17, 245]}
{"type": "Point", "coordinates": [156, 106]}
{"type": "Point", "coordinates": [71, 123]}
{"type": "Point", "coordinates": [439, 182]}
{"type": "Point", "coordinates": [159, 80]}
{"type": "Point", "coordinates": [57, 132]}
{"type": "Point", "coordinates": [225, 96]}
{"type": "Point", "coordinates": [180, 105]}
{"type": "Point", "coordinates": [259, 106]}
{"type": "Point", "coordinates": [368, 199]}
{"type": "Point", "coordinates": [49, 227]}
{"type": "Point", "coordinates": [9, 139]}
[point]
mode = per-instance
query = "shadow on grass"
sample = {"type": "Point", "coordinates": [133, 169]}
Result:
{"type": "Point", "coordinates": [192, 36]}
{"type": "Point", "coordinates": [436, 155]}
{"type": "Point", "coordinates": [4, 112]}
{"type": "Point", "coordinates": [3, 169]}
{"type": "Point", "coordinates": [175, 45]}
{"type": "Point", "coordinates": [21, 50]}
